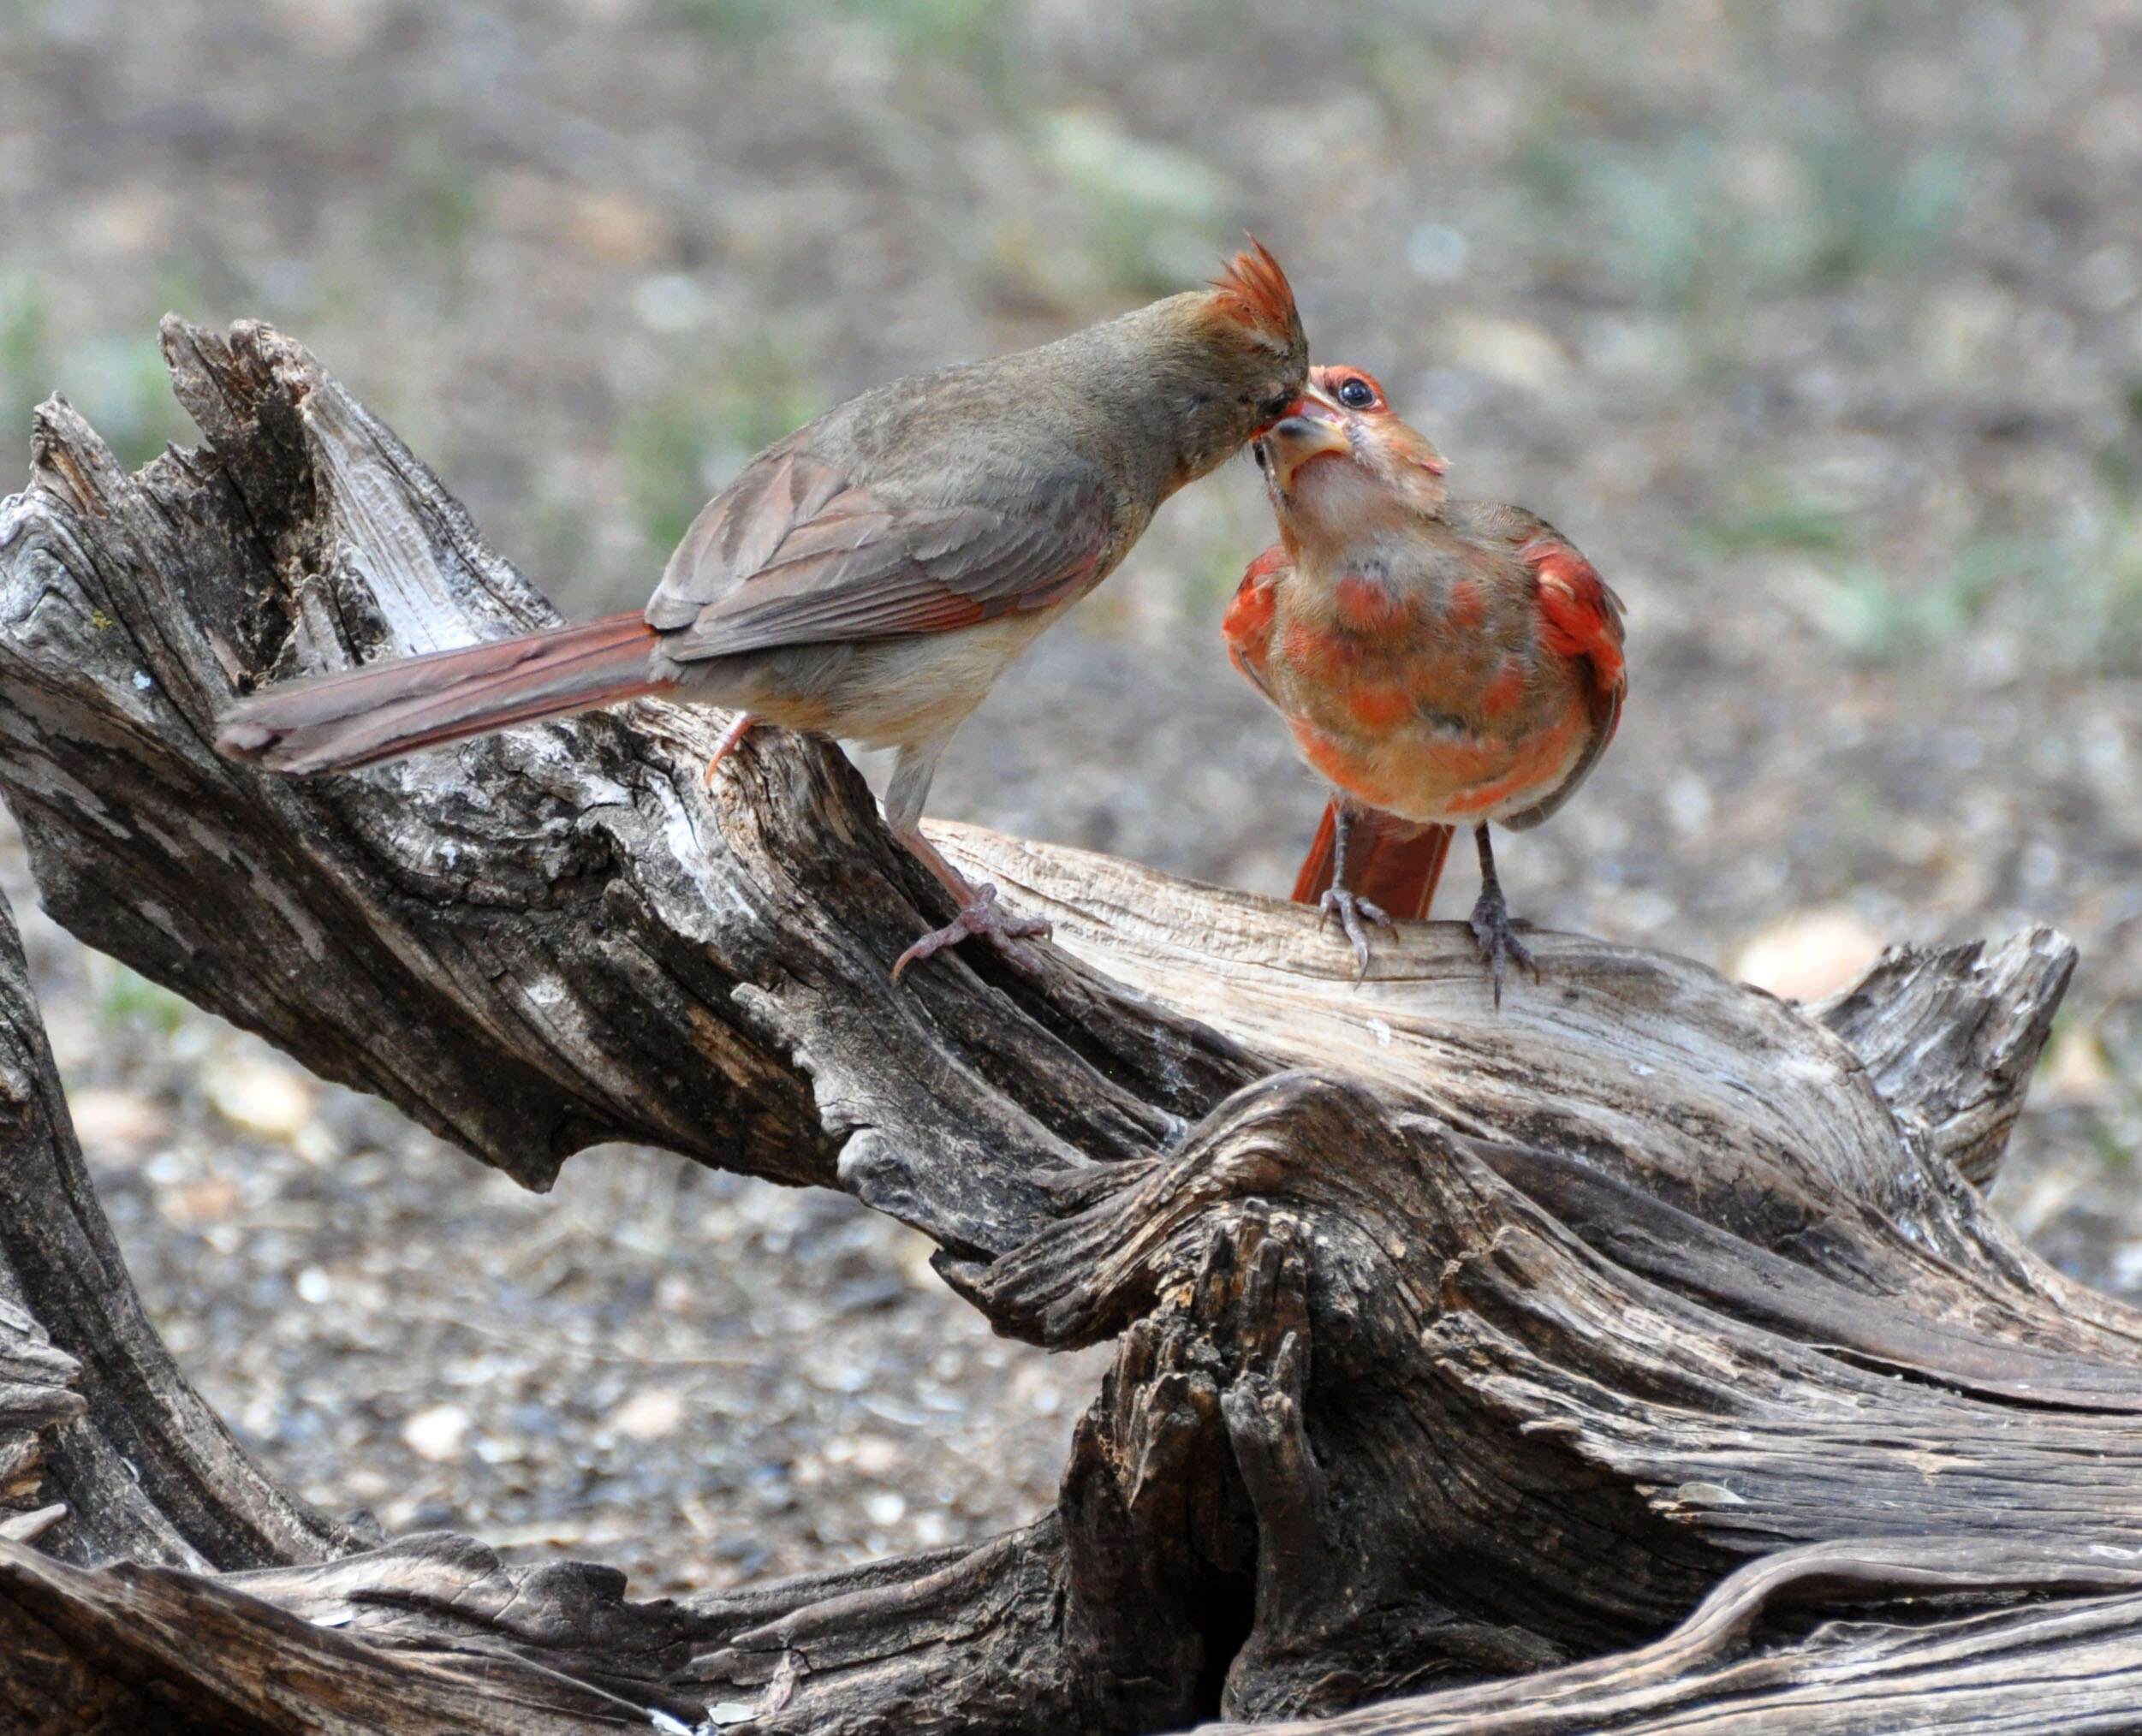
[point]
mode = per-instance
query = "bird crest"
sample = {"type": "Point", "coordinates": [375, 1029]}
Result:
{"type": "Point", "coordinates": [1256, 292]}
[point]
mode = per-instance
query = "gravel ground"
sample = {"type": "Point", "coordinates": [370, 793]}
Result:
{"type": "Point", "coordinates": [1817, 325]}
{"type": "Point", "coordinates": [698, 1377]}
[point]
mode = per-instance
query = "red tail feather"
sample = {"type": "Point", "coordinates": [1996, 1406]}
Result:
{"type": "Point", "coordinates": [385, 710]}
{"type": "Point", "coordinates": [1391, 862]}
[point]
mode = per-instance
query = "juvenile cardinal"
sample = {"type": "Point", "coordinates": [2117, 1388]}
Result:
{"type": "Point", "coordinates": [1441, 662]}
{"type": "Point", "coordinates": [870, 575]}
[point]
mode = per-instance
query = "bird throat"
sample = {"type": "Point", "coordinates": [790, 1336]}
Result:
{"type": "Point", "coordinates": [1333, 503]}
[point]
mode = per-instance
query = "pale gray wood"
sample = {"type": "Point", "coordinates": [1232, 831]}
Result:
{"type": "Point", "coordinates": [1952, 1048]}
{"type": "Point", "coordinates": [94, 1416]}
{"type": "Point", "coordinates": [1453, 1344]}
{"type": "Point", "coordinates": [1758, 1656]}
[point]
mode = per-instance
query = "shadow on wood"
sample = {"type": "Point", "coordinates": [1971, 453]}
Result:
{"type": "Point", "coordinates": [1645, 1342]}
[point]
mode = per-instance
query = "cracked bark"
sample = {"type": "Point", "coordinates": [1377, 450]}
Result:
{"type": "Point", "coordinates": [1641, 1349]}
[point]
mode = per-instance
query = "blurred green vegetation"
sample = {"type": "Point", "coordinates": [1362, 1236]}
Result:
{"type": "Point", "coordinates": [124, 999]}
{"type": "Point", "coordinates": [2057, 602]}
{"type": "Point", "coordinates": [1781, 524]}
{"type": "Point", "coordinates": [589, 257]}
{"type": "Point", "coordinates": [1709, 221]}
{"type": "Point", "coordinates": [118, 382]}
{"type": "Point", "coordinates": [681, 446]}
{"type": "Point", "coordinates": [919, 25]}
{"type": "Point", "coordinates": [24, 358]}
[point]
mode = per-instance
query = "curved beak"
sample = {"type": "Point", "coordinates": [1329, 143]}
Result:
{"type": "Point", "coordinates": [1313, 426]}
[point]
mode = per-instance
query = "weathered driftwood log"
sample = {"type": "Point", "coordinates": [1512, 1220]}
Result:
{"type": "Point", "coordinates": [1454, 1346]}
{"type": "Point", "coordinates": [136, 1464]}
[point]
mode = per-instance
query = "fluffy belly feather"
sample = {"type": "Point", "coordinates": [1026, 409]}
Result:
{"type": "Point", "coordinates": [883, 692]}
{"type": "Point", "coordinates": [1447, 775]}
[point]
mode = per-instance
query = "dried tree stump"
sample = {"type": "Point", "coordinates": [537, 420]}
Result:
{"type": "Point", "coordinates": [1639, 1354]}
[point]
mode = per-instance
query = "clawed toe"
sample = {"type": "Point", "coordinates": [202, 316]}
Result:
{"type": "Point", "coordinates": [1496, 936]}
{"type": "Point", "coordinates": [1350, 910]}
{"type": "Point", "coordinates": [980, 914]}
{"type": "Point", "coordinates": [740, 726]}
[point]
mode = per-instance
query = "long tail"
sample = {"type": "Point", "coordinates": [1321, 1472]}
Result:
{"type": "Point", "coordinates": [339, 723]}
{"type": "Point", "coordinates": [1392, 862]}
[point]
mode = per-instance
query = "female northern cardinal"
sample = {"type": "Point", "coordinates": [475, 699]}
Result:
{"type": "Point", "coordinates": [870, 576]}
{"type": "Point", "coordinates": [1443, 663]}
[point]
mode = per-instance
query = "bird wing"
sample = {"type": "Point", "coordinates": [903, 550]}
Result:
{"type": "Point", "coordinates": [1581, 618]}
{"type": "Point", "coordinates": [1247, 625]}
{"type": "Point", "coordinates": [793, 553]}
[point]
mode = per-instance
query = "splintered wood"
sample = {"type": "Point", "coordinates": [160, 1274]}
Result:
{"type": "Point", "coordinates": [1635, 1357]}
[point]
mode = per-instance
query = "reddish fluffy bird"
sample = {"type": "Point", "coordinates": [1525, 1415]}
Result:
{"type": "Point", "coordinates": [1441, 662]}
{"type": "Point", "coordinates": [868, 576]}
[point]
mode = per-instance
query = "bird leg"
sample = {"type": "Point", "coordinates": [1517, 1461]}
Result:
{"type": "Point", "coordinates": [1491, 921]}
{"type": "Point", "coordinates": [1339, 899]}
{"type": "Point", "coordinates": [739, 728]}
{"type": "Point", "coordinates": [980, 911]}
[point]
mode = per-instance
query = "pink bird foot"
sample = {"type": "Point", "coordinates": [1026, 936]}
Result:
{"type": "Point", "coordinates": [979, 914]}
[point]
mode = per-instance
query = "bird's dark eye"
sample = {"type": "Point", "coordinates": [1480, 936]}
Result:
{"type": "Point", "coordinates": [1276, 406]}
{"type": "Point", "coordinates": [1356, 394]}
{"type": "Point", "coordinates": [1257, 451]}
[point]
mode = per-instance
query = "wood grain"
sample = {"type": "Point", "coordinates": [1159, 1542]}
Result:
{"type": "Point", "coordinates": [1637, 1357]}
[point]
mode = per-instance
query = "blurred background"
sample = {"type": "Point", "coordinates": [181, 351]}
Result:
{"type": "Point", "coordinates": [1817, 324]}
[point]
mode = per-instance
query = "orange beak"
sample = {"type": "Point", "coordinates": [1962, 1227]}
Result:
{"type": "Point", "coordinates": [1313, 426]}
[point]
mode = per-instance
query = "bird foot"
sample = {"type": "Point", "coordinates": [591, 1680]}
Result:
{"type": "Point", "coordinates": [739, 728]}
{"type": "Point", "coordinates": [979, 914]}
{"type": "Point", "coordinates": [1493, 932]}
{"type": "Point", "coordinates": [1351, 911]}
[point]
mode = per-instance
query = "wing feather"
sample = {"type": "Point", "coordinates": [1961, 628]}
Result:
{"type": "Point", "coordinates": [793, 553]}
{"type": "Point", "coordinates": [1581, 618]}
{"type": "Point", "coordinates": [1247, 627]}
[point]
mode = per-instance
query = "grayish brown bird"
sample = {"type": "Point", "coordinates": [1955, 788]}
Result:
{"type": "Point", "coordinates": [870, 576]}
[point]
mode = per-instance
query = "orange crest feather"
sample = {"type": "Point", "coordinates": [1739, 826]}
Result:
{"type": "Point", "coordinates": [1256, 291]}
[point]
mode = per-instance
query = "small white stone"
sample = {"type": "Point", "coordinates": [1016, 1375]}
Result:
{"type": "Point", "coordinates": [886, 1507]}
{"type": "Point", "coordinates": [261, 1096]}
{"type": "Point", "coordinates": [649, 1415]}
{"type": "Point", "coordinates": [2075, 1071]}
{"type": "Point", "coordinates": [314, 1286]}
{"type": "Point", "coordinates": [874, 1455]}
{"type": "Point", "coordinates": [437, 1432]}
{"type": "Point", "coordinates": [1809, 954]}
{"type": "Point", "coordinates": [115, 1123]}
{"type": "Point", "coordinates": [1436, 252]}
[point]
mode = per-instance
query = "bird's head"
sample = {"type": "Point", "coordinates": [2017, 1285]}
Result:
{"type": "Point", "coordinates": [1237, 358]}
{"type": "Point", "coordinates": [1340, 452]}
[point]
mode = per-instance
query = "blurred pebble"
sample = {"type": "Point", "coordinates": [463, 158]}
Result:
{"type": "Point", "coordinates": [1808, 955]}
{"type": "Point", "coordinates": [259, 1096]}
{"type": "Point", "coordinates": [2075, 1070]}
{"type": "Point", "coordinates": [648, 1415]}
{"type": "Point", "coordinates": [437, 1432]}
{"type": "Point", "coordinates": [202, 1203]}
{"type": "Point", "coordinates": [116, 1126]}
{"type": "Point", "coordinates": [1513, 351]}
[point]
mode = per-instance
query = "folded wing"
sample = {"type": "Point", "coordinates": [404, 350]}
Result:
{"type": "Point", "coordinates": [795, 554]}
